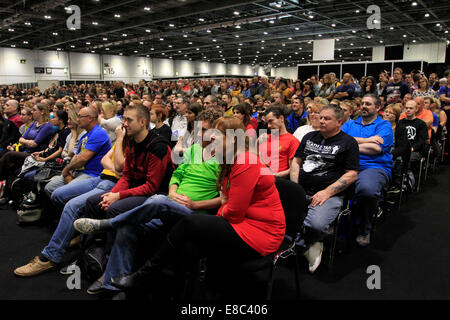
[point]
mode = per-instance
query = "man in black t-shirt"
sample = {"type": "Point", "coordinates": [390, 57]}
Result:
{"type": "Point", "coordinates": [395, 90]}
{"type": "Point", "coordinates": [326, 163]}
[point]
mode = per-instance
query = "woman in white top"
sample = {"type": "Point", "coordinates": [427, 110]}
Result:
{"type": "Point", "coordinates": [312, 121]}
{"type": "Point", "coordinates": [109, 120]}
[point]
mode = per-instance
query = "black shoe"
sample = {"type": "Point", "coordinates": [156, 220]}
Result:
{"type": "Point", "coordinates": [136, 280]}
{"type": "Point", "coordinates": [3, 201]}
{"type": "Point", "coordinates": [96, 288]}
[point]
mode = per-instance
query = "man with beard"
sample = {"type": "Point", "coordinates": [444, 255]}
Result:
{"type": "Point", "coordinates": [375, 139]}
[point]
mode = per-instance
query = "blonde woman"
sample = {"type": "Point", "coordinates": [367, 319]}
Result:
{"type": "Point", "coordinates": [75, 131]}
{"type": "Point", "coordinates": [109, 120]}
{"type": "Point", "coordinates": [312, 121]}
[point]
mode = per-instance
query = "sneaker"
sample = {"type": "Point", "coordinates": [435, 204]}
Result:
{"type": "Point", "coordinates": [34, 267]}
{"type": "Point", "coordinates": [314, 256]}
{"type": "Point", "coordinates": [65, 270]}
{"type": "Point", "coordinates": [362, 240]}
{"type": "Point", "coordinates": [90, 226]}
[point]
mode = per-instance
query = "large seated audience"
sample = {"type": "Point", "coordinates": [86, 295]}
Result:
{"type": "Point", "coordinates": [120, 165]}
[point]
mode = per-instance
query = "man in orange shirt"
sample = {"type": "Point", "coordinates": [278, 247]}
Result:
{"type": "Point", "coordinates": [422, 114]}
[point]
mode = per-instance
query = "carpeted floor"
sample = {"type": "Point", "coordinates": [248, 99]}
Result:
{"type": "Point", "coordinates": [411, 248]}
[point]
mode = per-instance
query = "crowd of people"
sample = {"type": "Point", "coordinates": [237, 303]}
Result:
{"type": "Point", "coordinates": [127, 162]}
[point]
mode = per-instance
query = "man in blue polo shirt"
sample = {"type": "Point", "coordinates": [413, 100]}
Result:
{"type": "Point", "coordinates": [375, 139]}
{"type": "Point", "coordinates": [346, 90]}
{"type": "Point", "coordinates": [92, 147]}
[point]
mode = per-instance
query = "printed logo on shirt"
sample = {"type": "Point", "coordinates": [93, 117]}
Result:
{"type": "Point", "coordinates": [317, 148]}
{"type": "Point", "coordinates": [411, 132]}
{"type": "Point", "coordinates": [314, 162]}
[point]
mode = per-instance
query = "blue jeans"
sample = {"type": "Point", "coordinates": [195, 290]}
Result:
{"type": "Point", "coordinates": [76, 194]}
{"type": "Point", "coordinates": [121, 259]}
{"type": "Point", "coordinates": [319, 218]}
{"type": "Point", "coordinates": [368, 191]}
{"type": "Point", "coordinates": [63, 193]}
{"type": "Point", "coordinates": [58, 181]}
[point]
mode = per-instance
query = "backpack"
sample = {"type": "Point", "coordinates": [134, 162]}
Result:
{"type": "Point", "coordinates": [30, 210]}
{"type": "Point", "coordinates": [92, 260]}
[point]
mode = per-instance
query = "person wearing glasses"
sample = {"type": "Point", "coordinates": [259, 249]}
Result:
{"type": "Point", "coordinates": [375, 139]}
{"type": "Point", "coordinates": [86, 164]}
{"type": "Point", "coordinates": [424, 89]}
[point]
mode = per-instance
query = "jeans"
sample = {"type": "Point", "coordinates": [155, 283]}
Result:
{"type": "Point", "coordinates": [368, 191]}
{"type": "Point", "coordinates": [319, 218]}
{"type": "Point", "coordinates": [76, 193]}
{"type": "Point", "coordinates": [58, 182]}
{"type": "Point", "coordinates": [121, 259]}
{"type": "Point", "coordinates": [157, 206]}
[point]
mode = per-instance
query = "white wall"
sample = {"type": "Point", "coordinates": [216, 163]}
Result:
{"type": "Point", "coordinates": [378, 53]}
{"type": "Point", "coordinates": [430, 52]}
{"type": "Point", "coordinates": [184, 68]}
{"type": "Point", "coordinates": [85, 66]}
{"type": "Point", "coordinates": [11, 70]}
{"type": "Point", "coordinates": [163, 68]}
{"type": "Point", "coordinates": [201, 68]}
{"type": "Point", "coordinates": [127, 69]}
{"type": "Point", "coordinates": [286, 72]}
{"type": "Point", "coordinates": [218, 68]}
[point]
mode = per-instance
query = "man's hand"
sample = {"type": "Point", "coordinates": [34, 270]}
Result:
{"type": "Point", "coordinates": [108, 199]}
{"type": "Point", "coordinates": [120, 132]}
{"type": "Point", "coordinates": [320, 197]}
{"type": "Point", "coordinates": [68, 178]}
{"type": "Point", "coordinates": [10, 148]}
{"type": "Point", "coordinates": [375, 139]}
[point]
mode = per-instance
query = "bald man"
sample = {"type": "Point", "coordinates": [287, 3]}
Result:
{"type": "Point", "coordinates": [346, 90]}
{"type": "Point", "coordinates": [422, 114]}
{"type": "Point", "coordinates": [10, 128]}
{"type": "Point", "coordinates": [86, 163]}
{"type": "Point", "coordinates": [11, 110]}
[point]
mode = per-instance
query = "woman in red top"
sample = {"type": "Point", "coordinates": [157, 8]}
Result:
{"type": "Point", "coordinates": [242, 113]}
{"type": "Point", "coordinates": [249, 224]}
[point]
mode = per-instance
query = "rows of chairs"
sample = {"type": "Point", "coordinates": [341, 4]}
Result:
{"type": "Point", "coordinates": [263, 270]}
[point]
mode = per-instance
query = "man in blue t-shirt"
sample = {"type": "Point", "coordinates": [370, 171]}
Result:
{"type": "Point", "coordinates": [346, 89]}
{"type": "Point", "coordinates": [93, 145]}
{"type": "Point", "coordinates": [375, 139]}
{"type": "Point", "coordinates": [297, 117]}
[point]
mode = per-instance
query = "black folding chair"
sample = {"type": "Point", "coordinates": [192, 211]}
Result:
{"type": "Point", "coordinates": [293, 200]}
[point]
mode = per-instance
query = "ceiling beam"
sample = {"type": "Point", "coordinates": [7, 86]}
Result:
{"type": "Point", "coordinates": [173, 13]}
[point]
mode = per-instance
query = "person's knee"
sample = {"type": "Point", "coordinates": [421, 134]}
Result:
{"type": "Point", "coordinates": [316, 223]}
{"type": "Point", "coordinates": [55, 195]}
{"type": "Point", "coordinates": [365, 189]}
{"type": "Point", "coordinates": [125, 234]}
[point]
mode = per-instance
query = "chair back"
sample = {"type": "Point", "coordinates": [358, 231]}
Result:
{"type": "Point", "coordinates": [293, 200]}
